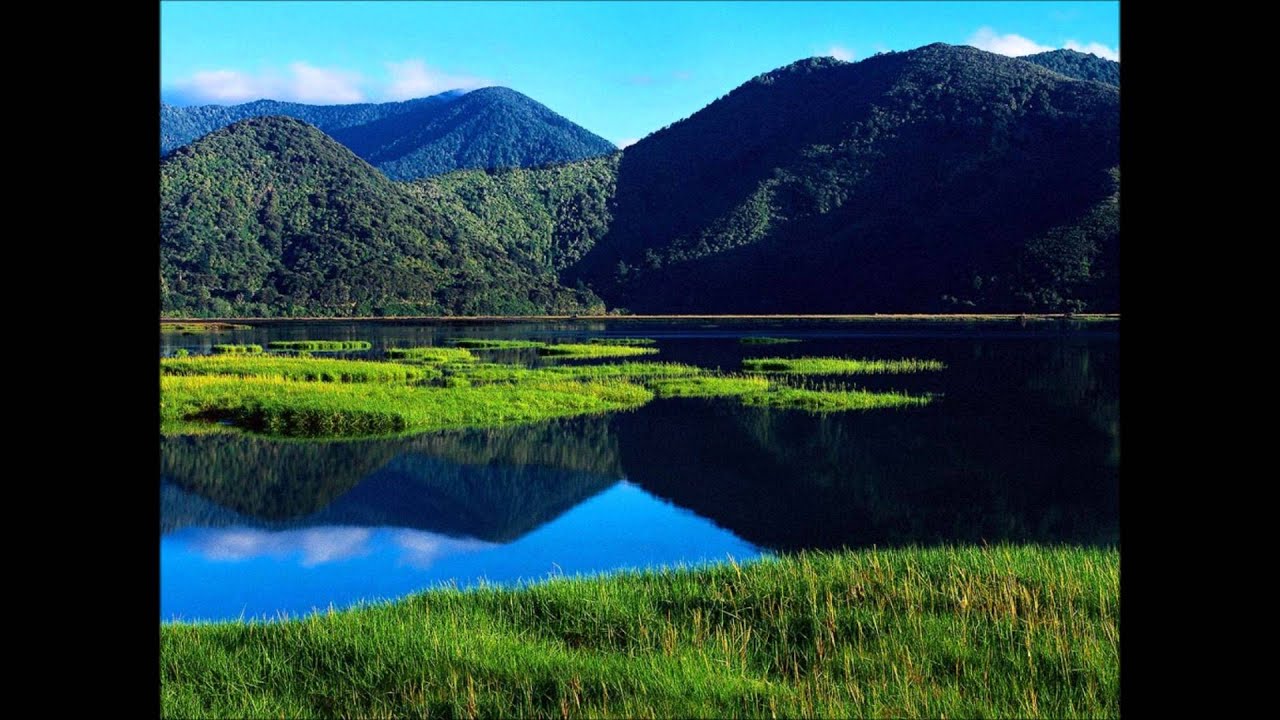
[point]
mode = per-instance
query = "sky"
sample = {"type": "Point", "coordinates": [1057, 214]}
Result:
{"type": "Point", "coordinates": [620, 69]}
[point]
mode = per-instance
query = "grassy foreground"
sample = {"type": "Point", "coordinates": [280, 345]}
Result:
{"type": "Point", "coordinates": [969, 632]}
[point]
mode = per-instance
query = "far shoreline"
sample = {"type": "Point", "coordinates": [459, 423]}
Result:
{"type": "Point", "coordinates": [862, 317]}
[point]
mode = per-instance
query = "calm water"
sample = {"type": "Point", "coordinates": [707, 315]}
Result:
{"type": "Point", "coordinates": [1023, 445]}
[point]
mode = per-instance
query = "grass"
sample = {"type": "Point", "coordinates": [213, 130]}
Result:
{"type": "Point", "coordinates": [839, 366]}
{"type": "Point", "coordinates": [292, 408]}
{"type": "Point", "coordinates": [941, 632]}
{"type": "Point", "coordinates": [621, 341]}
{"type": "Point", "coordinates": [484, 344]}
{"type": "Point", "coordinates": [237, 349]}
{"type": "Point", "coordinates": [706, 386]}
{"type": "Point", "coordinates": [291, 368]}
{"type": "Point", "coordinates": [200, 328]}
{"type": "Point", "coordinates": [767, 341]}
{"type": "Point", "coordinates": [319, 345]}
{"type": "Point", "coordinates": [431, 354]}
{"type": "Point", "coordinates": [824, 401]}
{"type": "Point", "coordinates": [444, 388]}
{"type": "Point", "coordinates": [588, 350]}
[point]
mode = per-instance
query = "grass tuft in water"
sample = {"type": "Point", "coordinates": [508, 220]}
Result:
{"type": "Point", "coordinates": [839, 366]}
{"type": "Point", "coordinates": [587, 350]}
{"type": "Point", "coordinates": [485, 344]}
{"type": "Point", "coordinates": [707, 386]}
{"type": "Point", "coordinates": [767, 341]}
{"type": "Point", "coordinates": [296, 368]}
{"type": "Point", "coordinates": [431, 354]}
{"type": "Point", "coordinates": [237, 349]}
{"type": "Point", "coordinates": [319, 345]}
{"type": "Point", "coordinates": [621, 341]}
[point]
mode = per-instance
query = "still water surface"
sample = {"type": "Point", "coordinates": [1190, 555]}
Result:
{"type": "Point", "coordinates": [1022, 445]}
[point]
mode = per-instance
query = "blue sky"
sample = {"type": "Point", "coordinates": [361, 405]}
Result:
{"type": "Point", "coordinates": [620, 69]}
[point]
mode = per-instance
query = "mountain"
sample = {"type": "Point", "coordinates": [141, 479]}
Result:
{"type": "Point", "coordinates": [270, 216]}
{"type": "Point", "coordinates": [940, 179]}
{"type": "Point", "coordinates": [491, 127]}
{"type": "Point", "coordinates": [1078, 65]}
{"type": "Point", "coordinates": [181, 125]}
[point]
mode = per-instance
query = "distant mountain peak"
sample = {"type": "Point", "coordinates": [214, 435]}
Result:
{"type": "Point", "coordinates": [490, 127]}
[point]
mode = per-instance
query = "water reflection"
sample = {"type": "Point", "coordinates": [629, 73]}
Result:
{"type": "Point", "coordinates": [1023, 446]}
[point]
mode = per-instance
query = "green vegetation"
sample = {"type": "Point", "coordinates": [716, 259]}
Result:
{"type": "Point", "coordinates": [621, 341]}
{"type": "Point", "coordinates": [815, 164]}
{"type": "Point", "coordinates": [319, 345]}
{"type": "Point", "coordinates": [1078, 65]}
{"type": "Point", "coordinates": [270, 217]}
{"type": "Point", "coordinates": [431, 354]}
{"type": "Point", "coordinates": [237, 349]}
{"type": "Point", "coordinates": [943, 632]}
{"type": "Point", "coordinates": [487, 128]}
{"type": "Point", "coordinates": [273, 406]}
{"type": "Point", "coordinates": [483, 344]}
{"type": "Point", "coordinates": [444, 387]}
{"type": "Point", "coordinates": [200, 328]}
{"type": "Point", "coordinates": [586, 350]}
{"type": "Point", "coordinates": [707, 386]}
{"type": "Point", "coordinates": [839, 366]}
{"type": "Point", "coordinates": [823, 401]}
{"type": "Point", "coordinates": [810, 180]}
{"type": "Point", "coordinates": [293, 368]}
{"type": "Point", "coordinates": [766, 341]}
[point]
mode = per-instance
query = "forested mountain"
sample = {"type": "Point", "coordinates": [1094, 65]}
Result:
{"type": "Point", "coordinates": [180, 125]}
{"type": "Point", "coordinates": [491, 127]}
{"type": "Point", "coordinates": [940, 179]}
{"type": "Point", "coordinates": [1078, 65]}
{"type": "Point", "coordinates": [553, 214]}
{"type": "Point", "coordinates": [488, 128]}
{"type": "Point", "coordinates": [272, 217]}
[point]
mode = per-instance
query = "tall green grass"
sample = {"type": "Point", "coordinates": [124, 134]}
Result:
{"type": "Point", "coordinates": [824, 401]}
{"type": "Point", "coordinates": [840, 366]}
{"type": "Point", "coordinates": [621, 341]}
{"type": "Point", "coordinates": [706, 386]}
{"type": "Point", "coordinates": [237, 349]}
{"type": "Point", "coordinates": [587, 350]}
{"type": "Point", "coordinates": [944, 632]}
{"type": "Point", "coordinates": [431, 354]}
{"type": "Point", "coordinates": [486, 344]}
{"type": "Point", "coordinates": [319, 345]}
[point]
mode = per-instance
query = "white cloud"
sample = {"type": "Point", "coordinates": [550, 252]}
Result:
{"type": "Point", "coordinates": [413, 79]}
{"type": "Point", "coordinates": [324, 85]}
{"type": "Point", "coordinates": [1015, 45]}
{"type": "Point", "coordinates": [1095, 48]}
{"type": "Point", "coordinates": [840, 52]}
{"type": "Point", "coordinates": [304, 82]}
{"type": "Point", "coordinates": [1011, 44]}
{"type": "Point", "coordinates": [627, 142]}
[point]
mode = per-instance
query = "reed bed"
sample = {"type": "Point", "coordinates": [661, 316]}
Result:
{"type": "Point", "coordinates": [319, 345]}
{"type": "Point", "coordinates": [224, 349]}
{"type": "Point", "coordinates": [840, 366]}
{"type": "Point", "coordinates": [588, 350]}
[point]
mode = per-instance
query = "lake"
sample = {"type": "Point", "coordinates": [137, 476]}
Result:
{"type": "Point", "coordinates": [1021, 445]}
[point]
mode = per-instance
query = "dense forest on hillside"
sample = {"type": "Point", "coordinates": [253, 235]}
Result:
{"type": "Point", "coordinates": [1078, 65]}
{"type": "Point", "coordinates": [272, 217]}
{"type": "Point", "coordinates": [935, 180]}
{"type": "Point", "coordinates": [908, 181]}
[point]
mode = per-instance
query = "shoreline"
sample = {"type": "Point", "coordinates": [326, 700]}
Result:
{"type": "Point", "coordinates": [862, 317]}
